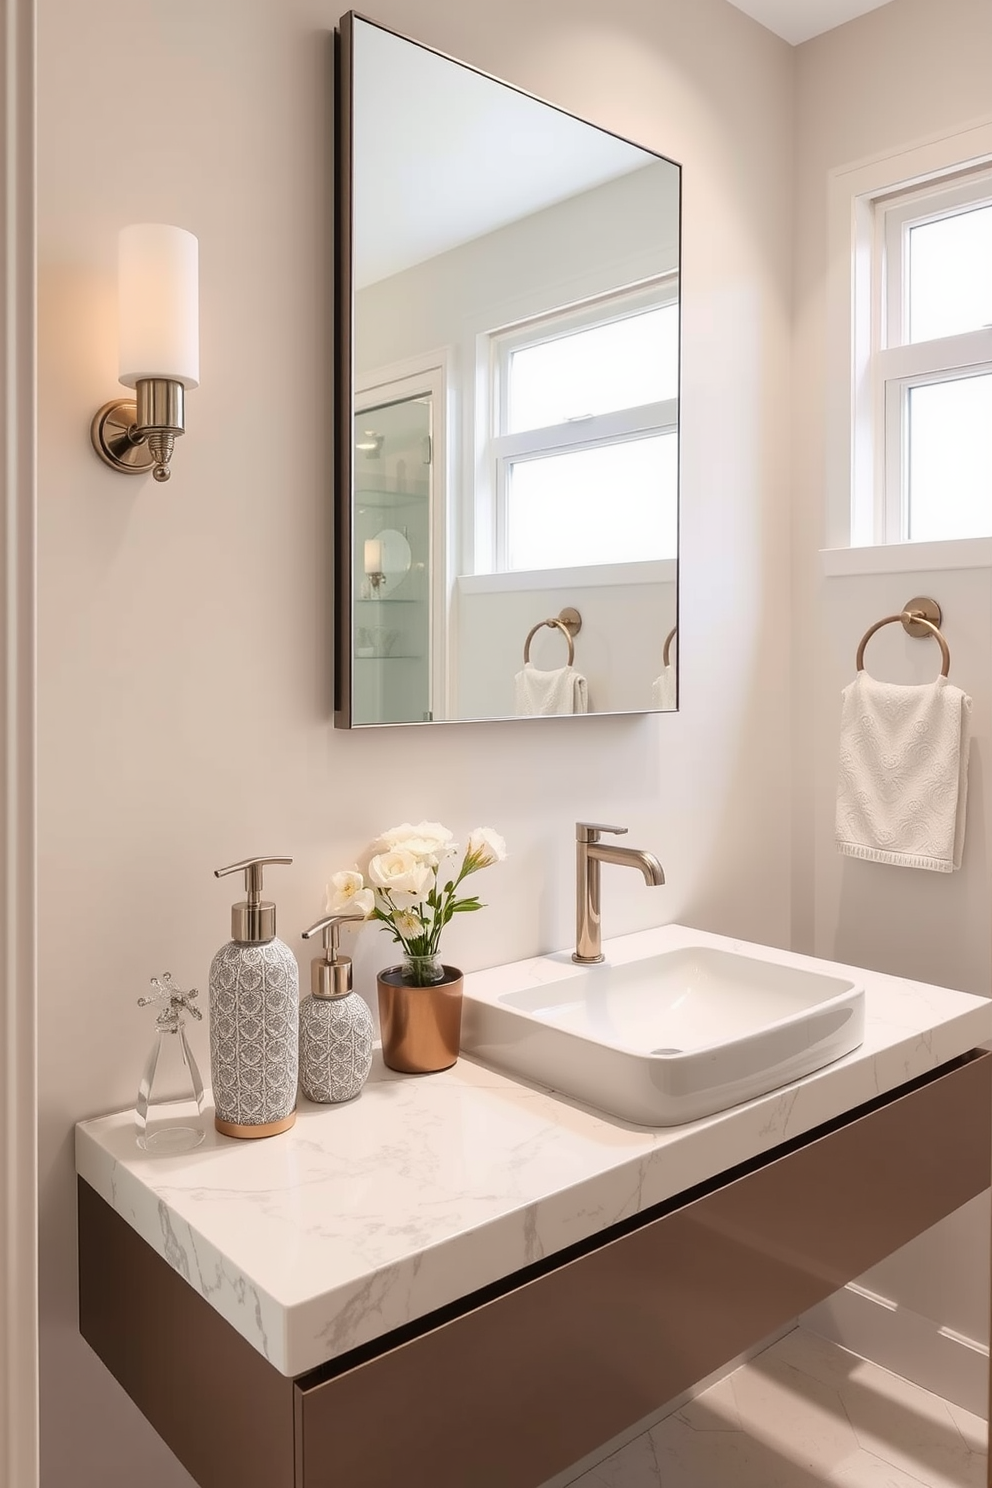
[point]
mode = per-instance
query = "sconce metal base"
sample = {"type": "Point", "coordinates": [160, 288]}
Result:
{"type": "Point", "coordinates": [140, 436]}
{"type": "Point", "coordinates": [110, 433]}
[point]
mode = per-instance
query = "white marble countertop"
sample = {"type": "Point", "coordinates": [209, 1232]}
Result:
{"type": "Point", "coordinates": [367, 1215]}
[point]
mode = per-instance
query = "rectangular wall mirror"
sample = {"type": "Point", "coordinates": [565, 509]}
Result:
{"type": "Point", "coordinates": [507, 385]}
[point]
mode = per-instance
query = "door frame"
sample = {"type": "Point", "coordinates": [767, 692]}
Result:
{"type": "Point", "coordinates": [18, 894]}
{"type": "Point", "coordinates": [431, 374]}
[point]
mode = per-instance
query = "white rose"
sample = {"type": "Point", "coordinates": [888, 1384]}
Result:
{"type": "Point", "coordinates": [485, 847]}
{"type": "Point", "coordinates": [392, 835]}
{"type": "Point", "coordinates": [402, 872]}
{"type": "Point", "coordinates": [347, 894]}
{"type": "Point", "coordinates": [429, 841]}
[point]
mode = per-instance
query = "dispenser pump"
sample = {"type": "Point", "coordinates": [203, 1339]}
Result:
{"type": "Point", "coordinates": [253, 921]}
{"type": "Point", "coordinates": [330, 974]}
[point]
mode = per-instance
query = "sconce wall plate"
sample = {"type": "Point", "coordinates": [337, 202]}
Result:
{"type": "Point", "coordinates": [110, 432]}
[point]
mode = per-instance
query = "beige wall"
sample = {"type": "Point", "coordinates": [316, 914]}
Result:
{"type": "Point", "coordinates": [906, 72]}
{"type": "Point", "coordinates": [185, 692]}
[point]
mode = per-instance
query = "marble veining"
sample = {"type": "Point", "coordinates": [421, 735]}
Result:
{"type": "Point", "coordinates": [366, 1215]}
{"type": "Point", "coordinates": [804, 1414]}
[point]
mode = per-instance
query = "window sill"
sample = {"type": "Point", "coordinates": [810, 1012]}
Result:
{"type": "Point", "coordinates": [921, 557]}
{"type": "Point", "coordinates": [595, 576]}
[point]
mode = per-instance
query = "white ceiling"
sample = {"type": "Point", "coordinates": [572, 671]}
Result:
{"type": "Point", "coordinates": [798, 20]}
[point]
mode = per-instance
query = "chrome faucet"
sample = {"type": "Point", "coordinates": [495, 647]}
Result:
{"type": "Point", "coordinates": [589, 853]}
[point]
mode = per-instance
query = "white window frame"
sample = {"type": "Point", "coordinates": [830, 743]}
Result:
{"type": "Point", "coordinates": [899, 365]}
{"type": "Point", "coordinates": [868, 381]}
{"type": "Point", "coordinates": [502, 449]}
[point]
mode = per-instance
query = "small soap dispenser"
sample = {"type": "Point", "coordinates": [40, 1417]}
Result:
{"type": "Point", "coordinates": [254, 1017]}
{"type": "Point", "coordinates": [335, 1024]}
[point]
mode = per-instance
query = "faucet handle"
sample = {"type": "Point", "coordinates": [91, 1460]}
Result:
{"type": "Point", "coordinates": [589, 831]}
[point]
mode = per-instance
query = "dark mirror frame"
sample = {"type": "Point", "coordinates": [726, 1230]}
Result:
{"type": "Point", "coordinates": [344, 365]}
{"type": "Point", "coordinates": [344, 359]}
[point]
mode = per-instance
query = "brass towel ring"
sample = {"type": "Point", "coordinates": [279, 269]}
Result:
{"type": "Point", "coordinates": [666, 653]}
{"type": "Point", "coordinates": [921, 617]}
{"type": "Point", "coordinates": [569, 622]}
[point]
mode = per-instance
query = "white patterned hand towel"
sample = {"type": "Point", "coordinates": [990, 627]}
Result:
{"type": "Point", "coordinates": [663, 690]}
{"type": "Point", "coordinates": [540, 694]}
{"type": "Point", "coordinates": [903, 788]}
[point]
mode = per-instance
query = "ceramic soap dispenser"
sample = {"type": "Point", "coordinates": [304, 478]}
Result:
{"type": "Point", "coordinates": [254, 1017]}
{"type": "Point", "coordinates": [335, 1024]}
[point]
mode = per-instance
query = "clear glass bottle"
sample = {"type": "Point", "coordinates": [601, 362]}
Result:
{"type": "Point", "coordinates": [168, 1113]}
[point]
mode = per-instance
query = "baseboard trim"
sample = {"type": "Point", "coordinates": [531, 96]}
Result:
{"type": "Point", "coordinates": [915, 1347]}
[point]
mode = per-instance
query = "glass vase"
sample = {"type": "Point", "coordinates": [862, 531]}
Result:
{"type": "Point", "coordinates": [422, 971]}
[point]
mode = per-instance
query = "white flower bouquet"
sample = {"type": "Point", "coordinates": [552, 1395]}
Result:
{"type": "Point", "coordinates": [411, 887]}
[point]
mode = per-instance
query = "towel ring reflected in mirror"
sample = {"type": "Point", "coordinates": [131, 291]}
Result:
{"type": "Point", "coordinates": [568, 621]}
{"type": "Point", "coordinates": [666, 650]}
{"type": "Point", "coordinates": [921, 617]}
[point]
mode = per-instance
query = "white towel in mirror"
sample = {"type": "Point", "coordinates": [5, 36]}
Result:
{"type": "Point", "coordinates": [542, 694]}
{"type": "Point", "coordinates": [663, 690]}
{"type": "Point", "coordinates": [903, 789]}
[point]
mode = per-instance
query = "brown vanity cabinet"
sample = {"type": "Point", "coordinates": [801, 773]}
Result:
{"type": "Point", "coordinates": [513, 1384]}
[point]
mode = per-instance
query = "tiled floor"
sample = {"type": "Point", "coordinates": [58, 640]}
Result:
{"type": "Point", "coordinates": [804, 1414]}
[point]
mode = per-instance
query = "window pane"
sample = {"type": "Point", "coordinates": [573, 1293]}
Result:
{"type": "Point", "coordinates": [615, 503]}
{"type": "Point", "coordinates": [950, 275]}
{"type": "Point", "coordinates": [619, 365]}
{"type": "Point", "coordinates": [950, 459]}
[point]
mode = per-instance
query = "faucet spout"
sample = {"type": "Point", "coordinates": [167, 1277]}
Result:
{"type": "Point", "coordinates": [630, 857]}
{"type": "Point", "coordinates": [589, 853]}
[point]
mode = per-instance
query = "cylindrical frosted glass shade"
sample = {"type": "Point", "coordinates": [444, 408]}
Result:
{"type": "Point", "coordinates": [159, 304]}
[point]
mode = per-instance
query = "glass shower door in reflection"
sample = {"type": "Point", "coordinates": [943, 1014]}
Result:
{"type": "Point", "coordinates": [391, 617]}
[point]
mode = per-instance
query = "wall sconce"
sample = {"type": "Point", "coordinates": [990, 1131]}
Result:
{"type": "Point", "coordinates": [159, 349]}
{"type": "Point", "coordinates": [373, 563]}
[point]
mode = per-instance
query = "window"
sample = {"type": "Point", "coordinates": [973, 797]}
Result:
{"type": "Point", "coordinates": [583, 450]}
{"type": "Point", "coordinates": [924, 407]}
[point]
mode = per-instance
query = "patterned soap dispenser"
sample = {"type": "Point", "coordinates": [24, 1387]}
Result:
{"type": "Point", "coordinates": [335, 1024]}
{"type": "Point", "coordinates": [254, 1017]}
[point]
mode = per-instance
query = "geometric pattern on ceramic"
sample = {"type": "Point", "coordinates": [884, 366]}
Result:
{"type": "Point", "coordinates": [335, 1047]}
{"type": "Point", "coordinates": [254, 1032]}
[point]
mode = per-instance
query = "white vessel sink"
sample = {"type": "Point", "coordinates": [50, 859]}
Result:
{"type": "Point", "coordinates": [674, 1025]}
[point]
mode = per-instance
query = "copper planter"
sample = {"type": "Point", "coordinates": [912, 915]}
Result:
{"type": "Point", "coordinates": [421, 1026]}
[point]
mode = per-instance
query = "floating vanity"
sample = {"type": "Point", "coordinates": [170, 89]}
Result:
{"type": "Point", "coordinates": [467, 1279]}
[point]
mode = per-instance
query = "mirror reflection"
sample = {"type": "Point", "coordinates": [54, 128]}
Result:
{"type": "Point", "coordinates": [514, 305]}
